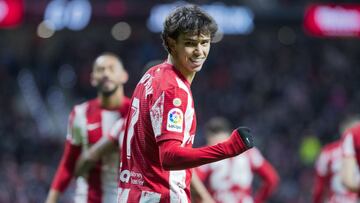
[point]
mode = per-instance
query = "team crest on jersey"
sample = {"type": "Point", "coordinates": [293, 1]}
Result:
{"type": "Point", "coordinates": [177, 102]}
{"type": "Point", "coordinates": [175, 120]}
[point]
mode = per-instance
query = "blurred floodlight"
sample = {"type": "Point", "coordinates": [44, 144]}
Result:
{"type": "Point", "coordinates": [54, 13]}
{"type": "Point", "coordinates": [230, 19]}
{"type": "Point", "coordinates": [286, 35]}
{"type": "Point", "coordinates": [45, 29]}
{"type": "Point", "coordinates": [332, 20]}
{"type": "Point", "coordinates": [121, 31]}
{"type": "Point", "coordinates": [74, 15]}
{"type": "Point", "coordinates": [79, 12]}
{"type": "Point", "coordinates": [4, 9]}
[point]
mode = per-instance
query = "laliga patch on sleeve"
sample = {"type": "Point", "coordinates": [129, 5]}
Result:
{"type": "Point", "coordinates": [175, 120]}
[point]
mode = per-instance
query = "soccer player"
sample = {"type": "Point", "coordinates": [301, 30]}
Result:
{"type": "Point", "coordinates": [230, 180]}
{"type": "Point", "coordinates": [88, 122]}
{"type": "Point", "coordinates": [328, 186]}
{"type": "Point", "coordinates": [157, 153]}
{"type": "Point", "coordinates": [351, 156]}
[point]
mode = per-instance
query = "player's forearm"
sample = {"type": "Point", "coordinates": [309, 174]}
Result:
{"type": "Point", "coordinates": [53, 196]}
{"type": "Point", "coordinates": [175, 157]}
{"type": "Point", "coordinates": [349, 174]}
{"type": "Point", "coordinates": [88, 158]}
{"type": "Point", "coordinates": [66, 167]}
{"type": "Point", "coordinates": [270, 180]}
{"type": "Point", "coordinates": [320, 187]}
{"type": "Point", "coordinates": [200, 190]}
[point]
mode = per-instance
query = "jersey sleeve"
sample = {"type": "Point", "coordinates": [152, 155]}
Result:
{"type": "Point", "coordinates": [322, 163]}
{"type": "Point", "coordinates": [267, 172]}
{"type": "Point", "coordinates": [348, 147]}
{"type": "Point", "coordinates": [76, 124]}
{"type": "Point", "coordinates": [256, 158]}
{"type": "Point", "coordinates": [72, 151]}
{"type": "Point", "coordinates": [167, 114]}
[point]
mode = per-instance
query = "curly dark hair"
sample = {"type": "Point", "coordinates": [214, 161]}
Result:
{"type": "Point", "coordinates": [187, 19]}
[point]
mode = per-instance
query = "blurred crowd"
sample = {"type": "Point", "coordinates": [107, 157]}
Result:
{"type": "Point", "coordinates": [285, 90]}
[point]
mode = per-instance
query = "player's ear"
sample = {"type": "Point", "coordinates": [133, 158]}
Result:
{"type": "Point", "coordinates": [124, 76]}
{"type": "Point", "coordinates": [93, 81]}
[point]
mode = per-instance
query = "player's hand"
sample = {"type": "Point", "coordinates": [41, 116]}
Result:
{"type": "Point", "coordinates": [239, 141]}
{"type": "Point", "coordinates": [83, 165]}
{"type": "Point", "coordinates": [245, 134]}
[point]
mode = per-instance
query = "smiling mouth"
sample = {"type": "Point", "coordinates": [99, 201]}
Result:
{"type": "Point", "coordinates": [197, 61]}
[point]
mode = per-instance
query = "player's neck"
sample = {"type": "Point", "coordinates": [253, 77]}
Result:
{"type": "Point", "coordinates": [188, 75]}
{"type": "Point", "coordinates": [112, 101]}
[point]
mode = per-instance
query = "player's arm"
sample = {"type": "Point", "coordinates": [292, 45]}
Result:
{"type": "Point", "coordinates": [106, 145]}
{"type": "Point", "coordinates": [170, 116]}
{"type": "Point", "coordinates": [175, 157]}
{"type": "Point", "coordinates": [349, 170]}
{"type": "Point", "coordinates": [322, 177]}
{"type": "Point", "coordinates": [267, 173]}
{"type": "Point", "coordinates": [320, 187]}
{"type": "Point", "coordinates": [349, 174]}
{"type": "Point", "coordinates": [89, 157]}
{"type": "Point", "coordinates": [64, 172]}
{"type": "Point", "coordinates": [200, 190]}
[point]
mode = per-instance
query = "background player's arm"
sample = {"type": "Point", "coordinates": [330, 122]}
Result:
{"type": "Point", "coordinates": [72, 150]}
{"type": "Point", "coordinates": [64, 172]}
{"type": "Point", "coordinates": [270, 180]}
{"type": "Point", "coordinates": [322, 176]}
{"type": "Point", "coordinates": [320, 187]}
{"type": "Point", "coordinates": [200, 190]}
{"type": "Point", "coordinates": [89, 157]}
{"type": "Point", "coordinates": [349, 170]}
{"type": "Point", "coordinates": [106, 145]}
{"type": "Point", "coordinates": [269, 176]}
{"type": "Point", "coordinates": [349, 174]}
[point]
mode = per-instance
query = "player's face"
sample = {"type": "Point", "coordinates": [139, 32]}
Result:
{"type": "Point", "coordinates": [190, 51]}
{"type": "Point", "coordinates": [108, 74]}
{"type": "Point", "coordinates": [217, 138]}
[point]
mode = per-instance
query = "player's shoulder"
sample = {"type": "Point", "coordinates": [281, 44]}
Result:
{"type": "Point", "coordinates": [83, 106]}
{"type": "Point", "coordinates": [331, 146]}
{"type": "Point", "coordinates": [165, 77]}
{"type": "Point", "coordinates": [354, 130]}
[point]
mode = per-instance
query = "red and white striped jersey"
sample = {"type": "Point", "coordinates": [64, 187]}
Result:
{"type": "Point", "coordinates": [230, 180]}
{"type": "Point", "coordinates": [328, 167]}
{"type": "Point", "coordinates": [88, 122]}
{"type": "Point", "coordinates": [162, 108]}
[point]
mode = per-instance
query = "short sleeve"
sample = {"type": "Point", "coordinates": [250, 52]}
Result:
{"type": "Point", "coordinates": [348, 148]}
{"type": "Point", "coordinates": [256, 158]}
{"type": "Point", "coordinates": [76, 125]}
{"type": "Point", "coordinates": [321, 165]}
{"type": "Point", "coordinates": [167, 114]}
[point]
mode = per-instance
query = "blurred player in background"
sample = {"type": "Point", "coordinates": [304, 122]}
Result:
{"type": "Point", "coordinates": [157, 153]}
{"type": "Point", "coordinates": [88, 122]}
{"type": "Point", "coordinates": [328, 186]}
{"type": "Point", "coordinates": [350, 174]}
{"type": "Point", "coordinates": [230, 180]}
